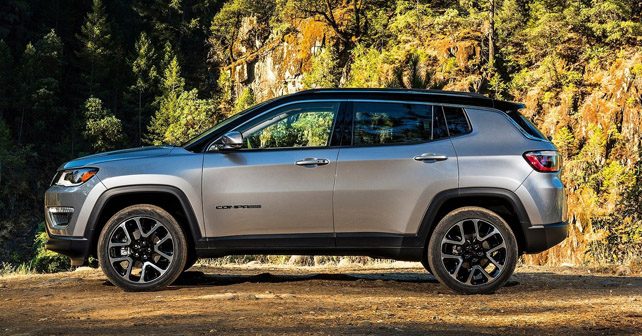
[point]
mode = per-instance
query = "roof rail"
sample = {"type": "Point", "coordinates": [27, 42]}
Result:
{"type": "Point", "coordinates": [399, 90]}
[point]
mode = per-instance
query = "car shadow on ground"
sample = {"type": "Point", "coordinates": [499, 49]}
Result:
{"type": "Point", "coordinates": [201, 279]}
{"type": "Point", "coordinates": [544, 280]}
{"type": "Point", "coordinates": [198, 278]}
{"type": "Point", "coordinates": [548, 279]}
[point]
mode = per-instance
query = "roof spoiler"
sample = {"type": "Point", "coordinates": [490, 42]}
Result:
{"type": "Point", "coordinates": [507, 106]}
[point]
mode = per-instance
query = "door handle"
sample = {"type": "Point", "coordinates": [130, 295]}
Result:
{"type": "Point", "coordinates": [307, 162]}
{"type": "Point", "coordinates": [431, 157]}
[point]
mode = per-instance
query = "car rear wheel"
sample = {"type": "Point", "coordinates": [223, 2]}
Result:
{"type": "Point", "coordinates": [191, 260]}
{"type": "Point", "coordinates": [472, 251]}
{"type": "Point", "coordinates": [142, 248]}
{"type": "Point", "coordinates": [426, 265]}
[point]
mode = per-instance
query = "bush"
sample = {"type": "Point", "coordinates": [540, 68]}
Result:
{"type": "Point", "coordinates": [46, 261]}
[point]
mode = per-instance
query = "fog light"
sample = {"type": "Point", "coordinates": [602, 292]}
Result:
{"type": "Point", "coordinates": [60, 216]}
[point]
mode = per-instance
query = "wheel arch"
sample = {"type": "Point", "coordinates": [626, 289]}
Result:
{"type": "Point", "coordinates": [170, 198]}
{"type": "Point", "coordinates": [501, 201]}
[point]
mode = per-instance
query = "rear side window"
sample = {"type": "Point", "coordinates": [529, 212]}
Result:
{"type": "Point", "coordinates": [456, 120]}
{"type": "Point", "coordinates": [525, 125]}
{"type": "Point", "coordinates": [393, 123]}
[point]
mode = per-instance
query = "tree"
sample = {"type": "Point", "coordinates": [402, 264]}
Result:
{"type": "Point", "coordinates": [185, 24]}
{"type": "Point", "coordinates": [365, 67]}
{"type": "Point", "coordinates": [224, 29]}
{"type": "Point", "coordinates": [5, 145]}
{"type": "Point", "coordinates": [491, 39]}
{"type": "Point", "coordinates": [97, 49]}
{"type": "Point", "coordinates": [324, 72]}
{"type": "Point", "coordinates": [349, 29]}
{"type": "Point", "coordinates": [244, 100]}
{"type": "Point", "coordinates": [181, 114]}
{"type": "Point", "coordinates": [145, 75]}
{"type": "Point", "coordinates": [190, 117]}
{"type": "Point", "coordinates": [39, 75]}
{"type": "Point", "coordinates": [102, 129]}
{"type": "Point", "coordinates": [6, 65]}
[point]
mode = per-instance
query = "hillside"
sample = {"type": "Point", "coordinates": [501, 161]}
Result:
{"type": "Point", "coordinates": [117, 74]}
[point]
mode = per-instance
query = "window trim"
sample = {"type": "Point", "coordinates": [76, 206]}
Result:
{"type": "Point", "coordinates": [270, 111]}
{"type": "Point", "coordinates": [524, 132]}
{"type": "Point", "coordinates": [352, 112]}
{"type": "Point", "coordinates": [346, 108]}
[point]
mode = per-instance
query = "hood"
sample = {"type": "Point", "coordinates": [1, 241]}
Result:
{"type": "Point", "coordinates": [123, 154]}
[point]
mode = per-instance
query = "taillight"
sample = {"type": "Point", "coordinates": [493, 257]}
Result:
{"type": "Point", "coordinates": [544, 161]}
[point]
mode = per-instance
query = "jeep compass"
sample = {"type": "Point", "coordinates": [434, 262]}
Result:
{"type": "Point", "coordinates": [460, 182]}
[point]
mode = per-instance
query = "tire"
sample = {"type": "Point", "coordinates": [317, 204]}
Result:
{"type": "Point", "coordinates": [426, 265]}
{"type": "Point", "coordinates": [478, 260]}
{"type": "Point", "coordinates": [139, 262]}
{"type": "Point", "coordinates": [191, 260]}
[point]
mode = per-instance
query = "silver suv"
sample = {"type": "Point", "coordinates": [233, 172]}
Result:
{"type": "Point", "coordinates": [458, 181]}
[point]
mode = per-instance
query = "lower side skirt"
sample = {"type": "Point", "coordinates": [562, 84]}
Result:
{"type": "Point", "coordinates": [376, 245]}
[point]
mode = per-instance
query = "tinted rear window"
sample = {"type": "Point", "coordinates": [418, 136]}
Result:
{"type": "Point", "coordinates": [392, 123]}
{"type": "Point", "coordinates": [526, 125]}
{"type": "Point", "coordinates": [456, 121]}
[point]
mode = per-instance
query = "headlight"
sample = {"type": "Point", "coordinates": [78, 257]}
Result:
{"type": "Point", "coordinates": [74, 177]}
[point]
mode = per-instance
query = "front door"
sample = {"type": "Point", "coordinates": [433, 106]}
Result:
{"type": "Point", "coordinates": [280, 182]}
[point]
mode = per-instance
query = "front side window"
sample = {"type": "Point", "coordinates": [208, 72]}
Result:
{"type": "Point", "coordinates": [298, 125]}
{"type": "Point", "coordinates": [394, 123]}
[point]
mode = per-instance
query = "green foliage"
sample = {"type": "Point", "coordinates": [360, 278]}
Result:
{"type": "Point", "coordinates": [146, 79]}
{"type": "Point", "coordinates": [245, 100]}
{"type": "Point", "coordinates": [324, 72]}
{"type": "Point", "coordinates": [351, 21]}
{"type": "Point", "coordinates": [143, 66]}
{"type": "Point", "coordinates": [97, 48]}
{"type": "Point", "coordinates": [5, 146]}
{"type": "Point", "coordinates": [224, 84]}
{"type": "Point", "coordinates": [190, 117]}
{"type": "Point", "coordinates": [308, 129]}
{"type": "Point", "coordinates": [46, 261]}
{"type": "Point", "coordinates": [365, 67]}
{"type": "Point", "coordinates": [38, 90]}
{"type": "Point", "coordinates": [102, 129]}
{"type": "Point", "coordinates": [565, 141]}
{"type": "Point", "coordinates": [6, 65]}
{"type": "Point", "coordinates": [225, 25]}
{"type": "Point", "coordinates": [612, 21]}
{"type": "Point", "coordinates": [181, 114]}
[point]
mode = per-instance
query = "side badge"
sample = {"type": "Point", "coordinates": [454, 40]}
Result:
{"type": "Point", "coordinates": [240, 206]}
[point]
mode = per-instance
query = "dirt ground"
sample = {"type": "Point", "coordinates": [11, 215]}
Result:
{"type": "Point", "coordinates": [270, 300]}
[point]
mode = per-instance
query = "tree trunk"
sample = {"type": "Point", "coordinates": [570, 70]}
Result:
{"type": "Point", "coordinates": [140, 127]}
{"type": "Point", "coordinates": [491, 40]}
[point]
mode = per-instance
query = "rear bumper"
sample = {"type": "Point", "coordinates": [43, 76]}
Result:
{"type": "Point", "coordinates": [76, 248]}
{"type": "Point", "coordinates": [542, 237]}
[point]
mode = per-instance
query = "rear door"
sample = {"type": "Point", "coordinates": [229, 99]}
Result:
{"type": "Point", "coordinates": [397, 159]}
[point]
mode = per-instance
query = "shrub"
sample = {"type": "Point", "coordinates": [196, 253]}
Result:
{"type": "Point", "coordinates": [46, 261]}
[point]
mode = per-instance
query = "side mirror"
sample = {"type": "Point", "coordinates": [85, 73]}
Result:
{"type": "Point", "coordinates": [229, 141]}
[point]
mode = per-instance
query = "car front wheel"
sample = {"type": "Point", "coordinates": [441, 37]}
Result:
{"type": "Point", "coordinates": [142, 248]}
{"type": "Point", "coordinates": [472, 251]}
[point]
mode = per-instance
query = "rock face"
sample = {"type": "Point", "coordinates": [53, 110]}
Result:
{"type": "Point", "coordinates": [275, 66]}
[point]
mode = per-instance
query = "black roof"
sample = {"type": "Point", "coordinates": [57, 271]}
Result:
{"type": "Point", "coordinates": [433, 96]}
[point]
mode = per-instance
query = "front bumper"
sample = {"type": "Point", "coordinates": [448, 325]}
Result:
{"type": "Point", "coordinates": [542, 237]}
{"type": "Point", "coordinates": [80, 199]}
{"type": "Point", "coordinates": [77, 249]}
{"type": "Point", "coordinates": [72, 239]}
